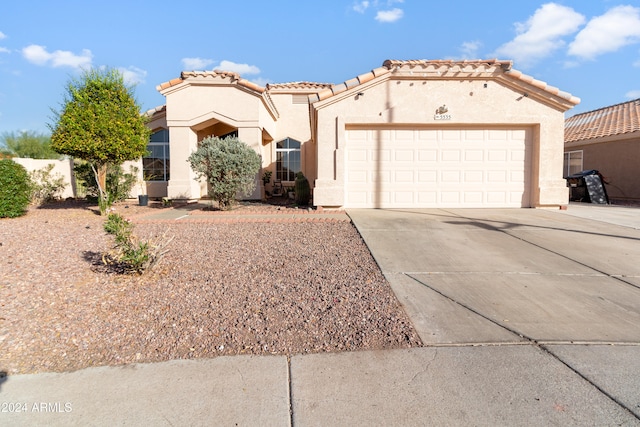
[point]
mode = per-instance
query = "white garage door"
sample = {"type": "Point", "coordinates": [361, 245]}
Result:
{"type": "Point", "coordinates": [424, 168]}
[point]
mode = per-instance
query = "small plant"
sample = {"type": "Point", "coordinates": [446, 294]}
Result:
{"type": "Point", "coordinates": [266, 177]}
{"type": "Point", "coordinates": [46, 187]}
{"type": "Point", "coordinates": [130, 254]}
{"type": "Point", "coordinates": [15, 189]}
{"type": "Point", "coordinates": [302, 189]}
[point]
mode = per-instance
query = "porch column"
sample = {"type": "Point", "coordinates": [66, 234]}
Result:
{"type": "Point", "coordinates": [182, 184]}
{"type": "Point", "coordinates": [329, 186]}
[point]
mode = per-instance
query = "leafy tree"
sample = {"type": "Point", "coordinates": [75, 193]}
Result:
{"type": "Point", "coordinates": [100, 122]}
{"type": "Point", "coordinates": [15, 189]}
{"type": "Point", "coordinates": [28, 144]}
{"type": "Point", "coordinates": [229, 165]}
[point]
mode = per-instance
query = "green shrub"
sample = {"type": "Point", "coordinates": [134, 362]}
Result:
{"type": "Point", "coordinates": [119, 183]}
{"type": "Point", "coordinates": [46, 187]}
{"type": "Point", "coordinates": [302, 189]}
{"type": "Point", "coordinates": [15, 189]}
{"type": "Point", "coordinates": [130, 254]}
{"type": "Point", "coordinates": [229, 165]}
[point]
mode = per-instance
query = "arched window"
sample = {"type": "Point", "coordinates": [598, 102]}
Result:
{"type": "Point", "coordinates": [155, 164]}
{"type": "Point", "coordinates": [288, 159]}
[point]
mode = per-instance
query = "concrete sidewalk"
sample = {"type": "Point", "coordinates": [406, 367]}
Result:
{"type": "Point", "coordinates": [529, 317]}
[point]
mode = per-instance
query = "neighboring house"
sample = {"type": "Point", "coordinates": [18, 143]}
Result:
{"type": "Point", "coordinates": [607, 140]}
{"type": "Point", "coordinates": [408, 134]}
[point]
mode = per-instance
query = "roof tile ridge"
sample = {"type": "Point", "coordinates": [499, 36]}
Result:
{"type": "Point", "coordinates": [348, 84]}
{"type": "Point", "coordinates": [604, 108]}
{"type": "Point", "coordinates": [251, 85]}
{"type": "Point", "coordinates": [540, 84]}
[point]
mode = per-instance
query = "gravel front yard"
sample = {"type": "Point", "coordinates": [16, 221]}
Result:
{"type": "Point", "coordinates": [224, 288]}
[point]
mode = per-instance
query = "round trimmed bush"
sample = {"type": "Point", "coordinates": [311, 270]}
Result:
{"type": "Point", "coordinates": [15, 189]}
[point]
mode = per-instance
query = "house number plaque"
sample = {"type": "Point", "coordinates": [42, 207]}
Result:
{"type": "Point", "coordinates": [442, 113]}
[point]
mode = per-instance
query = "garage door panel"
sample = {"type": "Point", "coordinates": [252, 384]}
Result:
{"type": "Point", "coordinates": [437, 168]}
{"type": "Point", "coordinates": [497, 177]}
{"type": "Point", "coordinates": [451, 156]}
{"type": "Point", "coordinates": [427, 155]}
{"type": "Point", "coordinates": [404, 155]}
{"type": "Point", "coordinates": [403, 197]}
{"type": "Point", "coordinates": [473, 197]}
{"type": "Point", "coordinates": [496, 197]}
{"type": "Point", "coordinates": [427, 176]}
{"type": "Point", "coordinates": [473, 155]}
{"type": "Point", "coordinates": [497, 155]}
{"type": "Point", "coordinates": [450, 197]}
{"type": "Point", "coordinates": [450, 176]}
{"type": "Point", "coordinates": [473, 176]}
{"type": "Point", "coordinates": [405, 177]}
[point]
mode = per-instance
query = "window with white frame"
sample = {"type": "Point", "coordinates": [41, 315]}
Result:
{"type": "Point", "coordinates": [572, 162]}
{"type": "Point", "coordinates": [288, 159]}
{"type": "Point", "coordinates": [155, 165]}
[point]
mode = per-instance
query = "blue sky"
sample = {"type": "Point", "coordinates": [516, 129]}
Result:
{"type": "Point", "coordinates": [590, 48]}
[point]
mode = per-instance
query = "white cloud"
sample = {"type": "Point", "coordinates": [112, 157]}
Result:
{"type": "Point", "coordinates": [133, 75]}
{"type": "Point", "coordinates": [619, 27]}
{"type": "Point", "coordinates": [632, 94]}
{"type": "Point", "coordinates": [4, 50]}
{"type": "Point", "coordinates": [637, 63]}
{"type": "Point", "coordinates": [542, 34]}
{"type": "Point", "coordinates": [39, 55]}
{"type": "Point", "coordinates": [2, 35]}
{"type": "Point", "coordinates": [389, 15]}
{"type": "Point", "coordinates": [238, 68]}
{"type": "Point", "coordinates": [196, 63]}
{"type": "Point", "coordinates": [361, 6]}
{"type": "Point", "coordinates": [469, 50]}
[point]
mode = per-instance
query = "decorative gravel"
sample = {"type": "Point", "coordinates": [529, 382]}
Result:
{"type": "Point", "coordinates": [223, 288]}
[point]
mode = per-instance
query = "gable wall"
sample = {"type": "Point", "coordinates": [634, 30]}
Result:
{"type": "Point", "coordinates": [414, 102]}
{"type": "Point", "coordinates": [193, 111]}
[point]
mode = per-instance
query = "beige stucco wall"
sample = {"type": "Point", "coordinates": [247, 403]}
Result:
{"type": "Point", "coordinates": [194, 112]}
{"type": "Point", "coordinates": [293, 122]}
{"type": "Point", "coordinates": [412, 102]}
{"type": "Point", "coordinates": [617, 159]}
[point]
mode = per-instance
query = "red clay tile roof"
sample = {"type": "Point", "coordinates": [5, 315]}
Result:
{"type": "Point", "coordinates": [432, 68]}
{"type": "Point", "coordinates": [152, 112]}
{"type": "Point", "coordinates": [298, 86]}
{"type": "Point", "coordinates": [616, 119]}
{"type": "Point", "coordinates": [446, 69]}
{"type": "Point", "coordinates": [339, 88]}
{"type": "Point", "coordinates": [217, 74]}
{"type": "Point", "coordinates": [476, 67]}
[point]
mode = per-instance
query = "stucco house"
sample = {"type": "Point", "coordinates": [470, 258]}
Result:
{"type": "Point", "coordinates": [607, 140]}
{"type": "Point", "coordinates": [418, 133]}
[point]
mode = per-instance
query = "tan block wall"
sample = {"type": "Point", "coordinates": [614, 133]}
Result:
{"type": "Point", "coordinates": [62, 168]}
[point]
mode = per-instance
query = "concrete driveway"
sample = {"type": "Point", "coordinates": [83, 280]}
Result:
{"type": "Point", "coordinates": [540, 310]}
